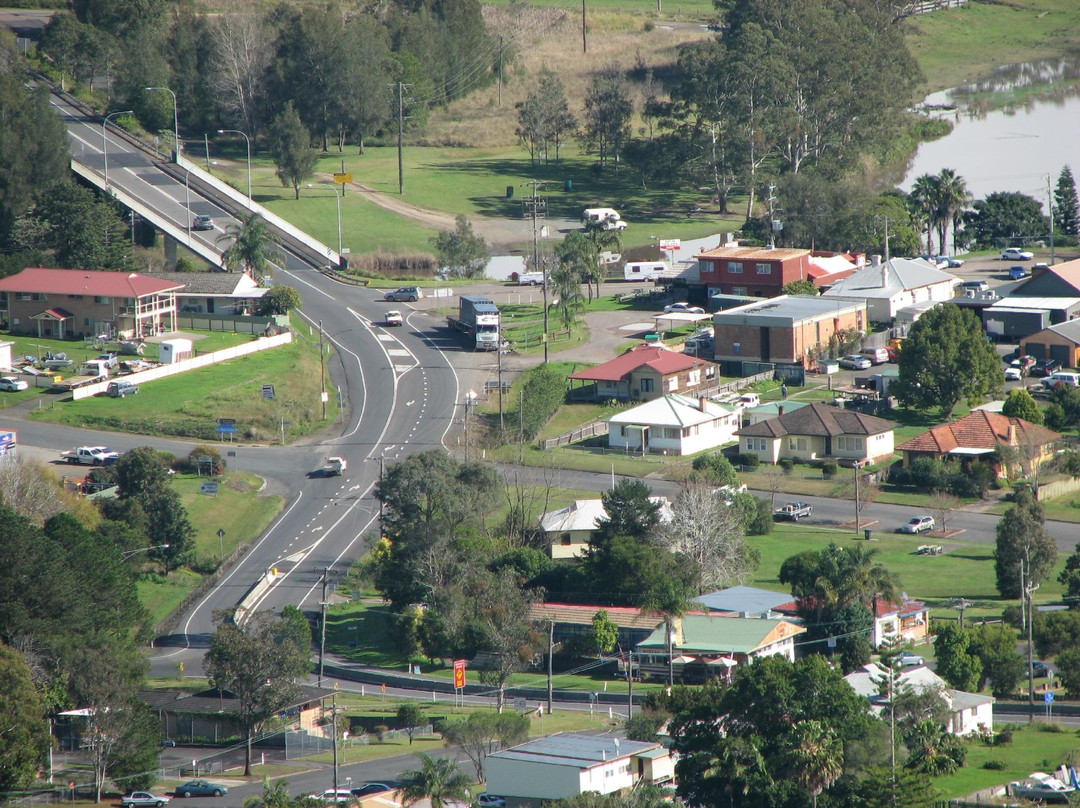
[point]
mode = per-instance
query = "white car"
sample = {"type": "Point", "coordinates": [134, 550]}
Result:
{"type": "Point", "coordinates": [393, 317]}
{"type": "Point", "coordinates": [1016, 254]}
{"type": "Point", "coordinates": [486, 800]}
{"type": "Point", "coordinates": [1012, 374]}
{"type": "Point", "coordinates": [918, 524]}
{"type": "Point", "coordinates": [342, 795]}
{"type": "Point", "coordinates": [855, 362]}
{"type": "Point", "coordinates": [9, 384]}
{"type": "Point", "coordinates": [685, 308]}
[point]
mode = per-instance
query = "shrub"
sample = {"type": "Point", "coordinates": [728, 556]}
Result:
{"type": "Point", "coordinates": [787, 464]}
{"type": "Point", "coordinates": [190, 464]}
{"type": "Point", "coordinates": [749, 460]}
{"type": "Point", "coordinates": [829, 469]}
{"type": "Point", "coordinates": [928, 473]}
{"type": "Point", "coordinates": [760, 521]}
{"type": "Point", "coordinates": [380, 732]}
{"type": "Point", "coordinates": [716, 468]}
{"type": "Point", "coordinates": [995, 765]}
{"type": "Point", "coordinates": [544, 391]}
{"type": "Point", "coordinates": [1005, 736]}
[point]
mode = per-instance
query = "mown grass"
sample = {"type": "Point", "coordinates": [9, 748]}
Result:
{"type": "Point", "coordinates": [189, 404]}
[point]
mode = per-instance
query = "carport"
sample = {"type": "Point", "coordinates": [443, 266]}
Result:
{"type": "Point", "coordinates": [668, 321]}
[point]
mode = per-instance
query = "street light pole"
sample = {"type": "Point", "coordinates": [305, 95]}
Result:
{"type": "Point", "coordinates": [248, 141]}
{"type": "Point", "coordinates": [337, 200]}
{"type": "Point", "coordinates": [105, 140]}
{"type": "Point", "coordinates": [187, 203]}
{"type": "Point", "coordinates": [175, 121]}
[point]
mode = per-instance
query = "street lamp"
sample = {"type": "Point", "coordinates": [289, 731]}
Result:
{"type": "Point", "coordinates": [337, 199]}
{"type": "Point", "coordinates": [248, 141]}
{"type": "Point", "coordinates": [105, 140]}
{"type": "Point", "coordinates": [175, 121]}
{"type": "Point", "coordinates": [129, 553]}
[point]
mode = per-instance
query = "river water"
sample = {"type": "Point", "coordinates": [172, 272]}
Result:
{"type": "Point", "coordinates": [1013, 147]}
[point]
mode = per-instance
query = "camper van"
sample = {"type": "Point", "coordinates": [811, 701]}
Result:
{"type": "Point", "coordinates": [644, 270]}
{"type": "Point", "coordinates": [608, 218]}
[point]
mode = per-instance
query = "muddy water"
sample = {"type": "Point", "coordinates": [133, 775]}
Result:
{"type": "Point", "coordinates": [1012, 147]}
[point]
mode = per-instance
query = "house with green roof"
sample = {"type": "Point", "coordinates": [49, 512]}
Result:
{"type": "Point", "coordinates": [701, 646]}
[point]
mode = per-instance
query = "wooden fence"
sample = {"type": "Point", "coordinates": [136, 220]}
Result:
{"type": "Point", "coordinates": [574, 435]}
{"type": "Point", "coordinates": [1057, 488]}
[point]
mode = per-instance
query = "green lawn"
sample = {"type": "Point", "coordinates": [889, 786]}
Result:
{"type": "Point", "coordinates": [189, 404]}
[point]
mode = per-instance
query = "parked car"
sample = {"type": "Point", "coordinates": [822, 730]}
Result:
{"type": "Point", "coordinates": [1017, 273]}
{"type": "Point", "coordinates": [1024, 363]}
{"type": "Point", "coordinates": [877, 356]}
{"type": "Point", "coordinates": [364, 789]}
{"type": "Point", "coordinates": [202, 222]}
{"type": "Point", "coordinates": [490, 800]}
{"type": "Point", "coordinates": [1012, 374]}
{"type": "Point", "coordinates": [793, 511]}
{"type": "Point", "coordinates": [121, 388]}
{"type": "Point", "coordinates": [974, 286]}
{"type": "Point", "coordinates": [168, 742]}
{"type": "Point", "coordinates": [406, 294]}
{"type": "Point", "coordinates": [9, 384]}
{"type": "Point", "coordinates": [201, 788]}
{"type": "Point", "coordinates": [855, 362]}
{"type": "Point", "coordinates": [685, 308]}
{"type": "Point", "coordinates": [1044, 368]}
{"type": "Point", "coordinates": [143, 799]}
{"type": "Point", "coordinates": [342, 795]}
{"type": "Point", "coordinates": [1016, 254]}
{"type": "Point", "coordinates": [906, 659]}
{"type": "Point", "coordinates": [1040, 669]}
{"type": "Point", "coordinates": [393, 317]}
{"type": "Point", "coordinates": [918, 524]}
{"type": "Point", "coordinates": [953, 263]}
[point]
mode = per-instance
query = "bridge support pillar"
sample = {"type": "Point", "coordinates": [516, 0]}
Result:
{"type": "Point", "coordinates": [170, 254]}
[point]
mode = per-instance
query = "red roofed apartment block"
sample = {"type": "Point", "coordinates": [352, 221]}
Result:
{"type": "Point", "coordinates": [642, 374]}
{"type": "Point", "coordinates": [74, 303]}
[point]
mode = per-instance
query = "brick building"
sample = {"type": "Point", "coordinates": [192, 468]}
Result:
{"type": "Point", "coordinates": [753, 271]}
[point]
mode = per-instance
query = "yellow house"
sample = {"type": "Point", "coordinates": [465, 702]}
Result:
{"type": "Point", "coordinates": [817, 432]}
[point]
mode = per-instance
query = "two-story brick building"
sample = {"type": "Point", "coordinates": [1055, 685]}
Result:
{"type": "Point", "coordinates": [753, 271]}
{"type": "Point", "coordinates": [75, 303]}
{"type": "Point", "coordinates": [781, 330]}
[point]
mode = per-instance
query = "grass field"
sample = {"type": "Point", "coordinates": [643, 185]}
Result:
{"type": "Point", "coordinates": [189, 404]}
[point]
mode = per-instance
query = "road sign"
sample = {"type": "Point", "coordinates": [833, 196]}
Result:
{"type": "Point", "coordinates": [343, 178]}
{"type": "Point", "coordinates": [520, 704]}
{"type": "Point", "coordinates": [669, 244]}
{"type": "Point", "coordinates": [226, 421]}
{"type": "Point", "coordinates": [226, 429]}
{"type": "Point", "coordinates": [459, 673]}
{"type": "Point", "coordinates": [209, 488]}
{"type": "Point", "coordinates": [1048, 697]}
{"type": "Point", "coordinates": [268, 392]}
{"type": "Point", "coordinates": [220, 533]}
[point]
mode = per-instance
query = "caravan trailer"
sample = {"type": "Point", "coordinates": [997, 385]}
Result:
{"type": "Point", "coordinates": [644, 270]}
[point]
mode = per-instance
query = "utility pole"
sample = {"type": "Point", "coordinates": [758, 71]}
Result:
{"type": "Point", "coordinates": [500, 68]}
{"type": "Point", "coordinates": [322, 629]}
{"type": "Point", "coordinates": [521, 426]}
{"type": "Point", "coordinates": [502, 425]}
{"type": "Point", "coordinates": [584, 43]}
{"type": "Point", "coordinates": [382, 458]}
{"type": "Point", "coordinates": [536, 260]}
{"type": "Point", "coordinates": [551, 653]}
{"type": "Point", "coordinates": [771, 199]}
{"type": "Point", "coordinates": [333, 713]}
{"type": "Point", "coordinates": [1050, 202]}
{"type": "Point", "coordinates": [400, 134]}
{"type": "Point", "coordinates": [857, 503]}
{"type": "Point", "coordinates": [630, 684]}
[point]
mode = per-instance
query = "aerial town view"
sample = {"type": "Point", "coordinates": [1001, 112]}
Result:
{"type": "Point", "coordinates": [533, 404]}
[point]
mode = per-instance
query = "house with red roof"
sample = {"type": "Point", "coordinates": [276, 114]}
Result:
{"type": "Point", "coordinates": [900, 623]}
{"type": "Point", "coordinates": [643, 373]}
{"type": "Point", "coordinates": [978, 436]}
{"type": "Point", "coordinates": [75, 303]}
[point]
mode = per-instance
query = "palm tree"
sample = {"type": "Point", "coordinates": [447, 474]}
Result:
{"type": "Point", "coordinates": [577, 257]}
{"type": "Point", "coordinates": [253, 249]}
{"type": "Point", "coordinates": [952, 197]}
{"type": "Point", "coordinates": [274, 795]}
{"type": "Point", "coordinates": [602, 240]}
{"type": "Point", "coordinates": [740, 766]}
{"type": "Point", "coordinates": [815, 757]}
{"type": "Point", "coordinates": [922, 202]}
{"type": "Point", "coordinates": [438, 779]}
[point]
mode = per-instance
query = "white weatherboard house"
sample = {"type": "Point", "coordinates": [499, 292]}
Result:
{"type": "Point", "coordinates": [569, 529]}
{"type": "Point", "coordinates": [566, 765]}
{"type": "Point", "coordinates": [897, 284]}
{"type": "Point", "coordinates": [674, 424]}
{"type": "Point", "coordinates": [968, 711]}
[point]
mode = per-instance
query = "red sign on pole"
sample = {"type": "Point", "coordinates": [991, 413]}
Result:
{"type": "Point", "coordinates": [459, 673]}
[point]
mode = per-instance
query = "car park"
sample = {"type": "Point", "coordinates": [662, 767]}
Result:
{"type": "Point", "coordinates": [9, 384]}
{"type": "Point", "coordinates": [143, 799]}
{"type": "Point", "coordinates": [855, 362]}
{"type": "Point", "coordinates": [201, 788]}
{"type": "Point", "coordinates": [405, 294]}
{"type": "Point", "coordinates": [490, 800]}
{"type": "Point", "coordinates": [1016, 254]}
{"type": "Point", "coordinates": [202, 222]}
{"type": "Point", "coordinates": [918, 524]}
{"type": "Point", "coordinates": [1044, 368]}
{"type": "Point", "coordinates": [906, 659]}
{"type": "Point", "coordinates": [393, 317]}
{"type": "Point", "coordinates": [1012, 374]}
{"type": "Point", "coordinates": [685, 308]}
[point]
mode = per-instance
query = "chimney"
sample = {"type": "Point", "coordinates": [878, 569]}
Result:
{"type": "Point", "coordinates": [875, 260]}
{"type": "Point", "coordinates": [779, 410]}
{"type": "Point", "coordinates": [884, 275]}
{"type": "Point", "coordinates": [1039, 269]}
{"type": "Point", "coordinates": [702, 401]}
{"type": "Point", "coordinates": [1012, 434]}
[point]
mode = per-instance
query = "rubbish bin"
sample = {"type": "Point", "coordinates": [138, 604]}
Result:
{"type": "Point", "coordinates": [568, 186]}
{"type": "Point", "coordinates": [867, 532]}
{"type": "Point", "coordinates": [509, 191]}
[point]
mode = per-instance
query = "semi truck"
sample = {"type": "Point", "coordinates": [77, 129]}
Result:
{"type": "Point", "coordinates": [478, 318]}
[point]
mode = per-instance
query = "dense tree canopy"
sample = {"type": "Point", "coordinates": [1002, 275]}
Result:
{"type": "Point", "coordinates": [1007, 217]}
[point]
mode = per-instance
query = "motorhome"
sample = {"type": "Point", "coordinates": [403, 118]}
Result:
{"type": "Point", "coordinates": [607, 218]}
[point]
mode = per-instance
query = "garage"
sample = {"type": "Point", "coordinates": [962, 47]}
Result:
{"type": "Point", "coordinates": [1062, 354]}
{"type": "Point", "coordinates": [1060, 342]}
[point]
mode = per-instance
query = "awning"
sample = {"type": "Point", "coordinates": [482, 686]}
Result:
{"type": "Point", "coordinates": [57, 314]}
{"type": "Point", "coordinates": [727, 662]}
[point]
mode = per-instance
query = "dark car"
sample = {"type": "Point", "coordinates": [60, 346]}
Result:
{"type": "Point", "coordinates": [364, 789]}
{"type": "Point", "coordinates": [1040, 669]}
{"type": "Point", "coordinates": [202, 222]}
{"type": "Point", "coordinates": [1044, 367]}
{"type": "Point", "coordinates": [201, 788]}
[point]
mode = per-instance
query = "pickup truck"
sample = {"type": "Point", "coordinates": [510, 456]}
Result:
{"type": "Point", "coordinates": [90, 456]}
{"type": "Point", "coordinates": [334, 466]}
{"type": "Point", "coordinates": [793, 511]}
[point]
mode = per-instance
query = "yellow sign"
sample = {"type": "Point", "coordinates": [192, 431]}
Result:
{"type": "Point", "coordinates": [343, 178]}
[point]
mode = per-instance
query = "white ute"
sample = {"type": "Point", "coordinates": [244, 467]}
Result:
{"type": "Point", "coordinates": [334, 466]}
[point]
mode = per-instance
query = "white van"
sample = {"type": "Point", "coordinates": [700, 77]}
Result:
{"type": "Point", "coordinates": [878, 356]}
{"type": "Point", "coordinates": [530, 279]}
{"type": "Point", "coordinates": [644, 270]}
{"type": "Point", "coordinates": [608, 218]}
{"type": "Point", "coordinates": [1063, 377]}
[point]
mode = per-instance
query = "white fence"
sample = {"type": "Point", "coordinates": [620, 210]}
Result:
{"type": "Point", "coordinates": [163, 371]}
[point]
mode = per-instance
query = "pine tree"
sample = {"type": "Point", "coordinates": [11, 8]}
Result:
{"type": "Point", "coordinates": [1066, 204]}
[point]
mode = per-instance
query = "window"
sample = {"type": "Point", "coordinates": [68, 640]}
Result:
{"type": "Point", "coordinates": [849, 443]}
{"type": "Point", "coordinates": [101, 301]}
{"type": "Point", "coordinates": [564, 539]}
{"type": "Point", "coordinates": [694, 378]}
{"type": "Point", "coordinates": [796, 444]}
{"type": "Point", "coordinates": [24, 296]}
{"type": "Point", "coordinates": [673, 384]}
{"type": "Point", "coordinates": [738, 290]}
{"type": "Point", "coordinates": [736, 348]}
{"type": "Point", "coordinates": [710, 372]}
{"type": "Point", "coordinates": [646, 385]}
{"type": "Point", "coordinates": [734, 267]}
{"type": "Point", "coordinates": [764, 269]}
{"type": "Point", "coordinates": [75, 297]}
{"type": "Point", "coordinates": [671, 433]}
